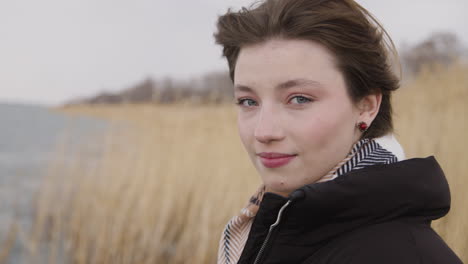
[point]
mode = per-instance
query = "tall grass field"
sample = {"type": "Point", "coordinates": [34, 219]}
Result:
{"type": "Point", "coordinates": [169, 177]}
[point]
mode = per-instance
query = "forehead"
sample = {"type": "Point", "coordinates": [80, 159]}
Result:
{"type": "Point", "coordinates": [283, 85]}
{"type": "Point", "coordinates": [277, 61]}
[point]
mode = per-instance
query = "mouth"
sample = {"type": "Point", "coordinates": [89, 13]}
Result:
{"type": "Point", "coordinates": [275, 160]}
{"type": "Point", "coordinates": [273, 155]}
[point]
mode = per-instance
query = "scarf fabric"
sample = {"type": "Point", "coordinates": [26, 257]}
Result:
{"type": "Point", "coordinates": [365, 152]}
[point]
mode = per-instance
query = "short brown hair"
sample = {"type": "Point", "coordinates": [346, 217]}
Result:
{"type": "Point", "coordinates": [349, 31]}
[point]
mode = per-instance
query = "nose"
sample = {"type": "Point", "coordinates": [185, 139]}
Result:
{"type": "Point", "coordinates": [268, 127]}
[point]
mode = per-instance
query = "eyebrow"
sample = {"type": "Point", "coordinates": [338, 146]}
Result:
{"type": "Point", "coordinates": [282, 86]}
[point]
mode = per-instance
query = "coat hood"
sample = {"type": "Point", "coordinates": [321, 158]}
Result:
{"type": "Point", "coordinates": [413, 189]}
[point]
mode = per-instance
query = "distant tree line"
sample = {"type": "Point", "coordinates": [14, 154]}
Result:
{"type": "Point", "coordinates": [216, 87]}
{"type": "Point", "coordinates": [441, 48]}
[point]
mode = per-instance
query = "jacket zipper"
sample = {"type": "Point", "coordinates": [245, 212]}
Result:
{"type": "Point", "coordinates": [278, 219]}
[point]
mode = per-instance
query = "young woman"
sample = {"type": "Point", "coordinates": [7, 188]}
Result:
{"type": "Point", "coordinates": [313, 84]}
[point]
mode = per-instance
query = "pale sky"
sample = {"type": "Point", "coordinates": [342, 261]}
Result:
{"type": "Point", "coordinates": [54, 50]}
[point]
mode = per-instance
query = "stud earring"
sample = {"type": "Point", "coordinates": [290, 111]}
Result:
{"type": "Point", "coordinates": [362, 126]}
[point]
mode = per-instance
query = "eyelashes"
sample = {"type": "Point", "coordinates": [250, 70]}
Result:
{"type": "Point", "coordinates": [301, 98]}
{"type": "Point", "coordinates": [241, 101]}
{"type": "Point", "coordinates": [307, 100]}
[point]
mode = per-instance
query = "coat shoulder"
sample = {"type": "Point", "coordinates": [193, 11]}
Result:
{"type": "Point", "coordinates": [390, 242]}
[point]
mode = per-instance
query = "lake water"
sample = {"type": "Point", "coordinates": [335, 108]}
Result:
{"type": "Point", "coordinates": [28, 137]}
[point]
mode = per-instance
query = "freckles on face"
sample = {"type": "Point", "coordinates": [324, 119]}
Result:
{"type": "Point", "coordinates": [311, 117]}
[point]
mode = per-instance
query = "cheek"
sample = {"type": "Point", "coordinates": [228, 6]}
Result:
{"type": "Point", "coordinates": [329, 125]}
{"type": "Point", "coordinates": [319, 125]}
{"type": "Point", "coordinates": [244, 129]}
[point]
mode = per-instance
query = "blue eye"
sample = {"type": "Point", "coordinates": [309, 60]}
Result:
{"type": "Point", "coordinates": [250, 102]}
{"type": "Point", "coordinates": [241, 102]}
{"type": "Point", "coordinates": [302, 99]}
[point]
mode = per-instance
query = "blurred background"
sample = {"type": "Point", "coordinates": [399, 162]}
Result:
{"type": "Point", "coordinates": [118, 137]}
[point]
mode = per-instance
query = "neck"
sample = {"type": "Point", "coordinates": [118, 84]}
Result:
{"type": "Point", "coordinates": [284, 194]}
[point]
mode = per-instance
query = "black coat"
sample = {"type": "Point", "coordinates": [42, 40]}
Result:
{"type": "Point", "coordinates": [378, 214]}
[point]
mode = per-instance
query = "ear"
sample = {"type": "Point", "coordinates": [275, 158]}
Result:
{"type": "Point", "coordinates": [369, 107]}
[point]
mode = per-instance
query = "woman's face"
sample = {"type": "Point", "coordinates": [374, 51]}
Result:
{"type": "Point", "coordinates": [293, 100]}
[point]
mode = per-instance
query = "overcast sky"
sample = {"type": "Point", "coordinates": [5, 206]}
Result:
{"type": "Point", "coordinates": [55, 50]}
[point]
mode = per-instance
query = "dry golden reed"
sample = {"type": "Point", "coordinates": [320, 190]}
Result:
{"type": "Point", "coordinates": [432, 119]}
{"type": "Point", "coordinates": [163, 184]}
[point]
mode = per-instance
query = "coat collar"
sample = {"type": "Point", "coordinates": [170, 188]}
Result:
{"type": "Point", "coordinates": [415, 189]}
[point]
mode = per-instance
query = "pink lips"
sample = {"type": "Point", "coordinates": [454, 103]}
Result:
{"type": "Point", "coordinates": [274, 160]}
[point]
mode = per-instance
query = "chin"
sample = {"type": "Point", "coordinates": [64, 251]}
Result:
{"type": "Point", "coordinates": [280, 187]}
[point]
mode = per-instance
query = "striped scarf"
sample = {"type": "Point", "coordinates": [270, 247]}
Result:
{"type": "Point", "coordinates": [365, 152]}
